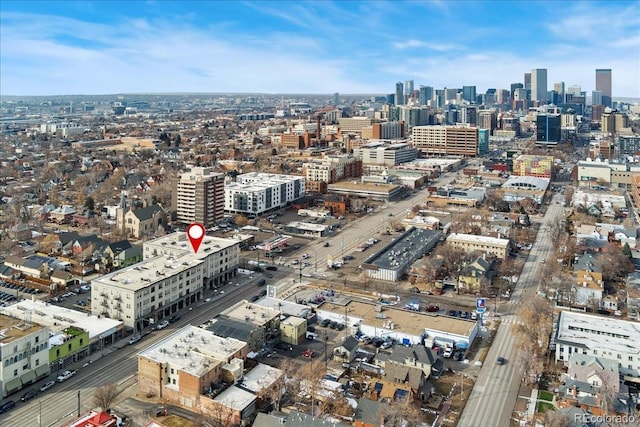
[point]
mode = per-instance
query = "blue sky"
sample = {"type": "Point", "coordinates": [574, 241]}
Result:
{"type": "Point", "coordinates": [106, 47]}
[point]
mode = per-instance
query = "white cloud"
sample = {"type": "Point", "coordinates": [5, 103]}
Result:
{"type": "Point", "coordinates": [57, 55]}
{"type": "Point", "coordinates": [414, 44]}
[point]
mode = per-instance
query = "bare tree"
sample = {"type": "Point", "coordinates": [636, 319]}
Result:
{"type": "Point", "coordinates": [533, 333]}
{"type": "Point", "coordinates": [241, 220]}
{"type": "Point", "coordinates": [615, 264]}
{"type": "Point", "coordinates": [220, 416]}
{"type": "Point", "coordinates": [402, 414]}
{"type": "Point", "coordinates": [105, 395]}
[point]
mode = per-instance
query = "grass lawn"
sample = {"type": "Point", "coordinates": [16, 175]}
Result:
{"type": "Point", "coordinates": [545, 395]}
{"type": "Point", "coordinates": [545, 406]}
{"type": "Point", "coordinates": [175, 421]}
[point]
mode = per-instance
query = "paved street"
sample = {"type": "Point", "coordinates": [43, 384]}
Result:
{"type": "Point", "coordinates": [493, 397]}
{"type": "Point", "coordinates": [119, 366]}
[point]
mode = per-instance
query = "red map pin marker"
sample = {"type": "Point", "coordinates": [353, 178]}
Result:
{"type": "Point", "coordinates": [195, 233]}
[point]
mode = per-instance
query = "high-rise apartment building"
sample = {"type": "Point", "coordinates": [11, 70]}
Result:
{"type": "Point", "coordinates": [399, 94]}
{"type": "Point", "coordinates": [446, 140]}
{"type": "Point", "coordinates": [539, 84]}
{"type": "Point", "coordinates": [603, 84]}
{"type": "Point", "coordinates": [255, 193]}
{"type": "Point", "coordinates": [198, 196]}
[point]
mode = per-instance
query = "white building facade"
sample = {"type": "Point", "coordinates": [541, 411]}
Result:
{"type": "Point", "coordinates": [170, 278]}
{"type": "Point", "coordinates": [603, 337]}
{"type": "Point", "coordinates": [255, 193]}
{"type": "Point", "coordinates": [24, 354]}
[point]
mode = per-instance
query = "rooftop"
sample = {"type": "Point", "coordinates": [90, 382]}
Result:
{"type": "Point", "coordinates": [260, 377]}
{"type": "Point", "coordinates": [404, 249]}
{"type": "Point", "coordinates": [364, 186]}
{"type": "Point", "coordinates": [15, 327]}
{"type": "Point", "coordinates": [235, 398]}
{"type": "Point", "coordinates": [286, 307]}
{"type": "Point", "coordinates": [532, 182]}
{"type": "Point", "coordinates": [591, 331]}
{"type": "Point", "coordinates": [57, 319]}
{"type": "Point", "coordinates": [250, 312]}
{"type": "Point", "coordinates": [477, 239]}
{"type": "Point", "coordinates": [192, 350]}
{"type": "Point", "coordinates": [165, 256]}
{"type": "Point", "coordinates": [410, 322]}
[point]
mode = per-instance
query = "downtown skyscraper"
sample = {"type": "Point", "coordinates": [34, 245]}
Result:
{"type": "Point", "coordinates": [539, 84]}
{"type": "Point", "coordinates": [603, 84]}
{"type": "Point", "coordinates": [399, 94]}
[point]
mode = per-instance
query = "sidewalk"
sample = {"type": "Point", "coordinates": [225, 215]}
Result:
{"type": "Point", "coordinates": [533, 403]}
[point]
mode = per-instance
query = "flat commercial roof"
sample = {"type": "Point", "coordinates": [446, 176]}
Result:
{"type": "Point", "coordinates": [59, 318]}
{"type": "Point", "coordinates": [400, 251]}
{"type": "Point", "coordinates": [527, 181]}
{"type": "Point", "coordinates": [164, 257]}
{"type": "Point", "coordinates": [591, 331]}
{"type": "Point", "coordinates": [410, 322]}
{"type": "Point", "coordinates": [459, 237]}
{"type": "Point", "coordinates": [363, 186]}
{"type": "Point", "coordinates": [301, 225]}
{"type": "Point", "coordinates": [236, 398]}
{"type": "Point", "coordinates": [15, 327]}
{"type": "Point", "coordinates": [178, 244]}
{"type": "Point", "coordinates": [260, 377]}
{"type": "Point", "coordinates": [286, 307]}
{"type": "Point", "coordinates": [193, 350]}
{"type": "Point", "coordinates": [249, 312]}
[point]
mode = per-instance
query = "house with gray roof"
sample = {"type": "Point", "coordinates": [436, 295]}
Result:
{"type": "Point", "coordinates": [594, 370]}
{"type": "Point", "coordinates": [416, 356]}
{"type": "Point", "coordinates": [346, 351]}
{"type": "Point", "coordinates": [138, 223]}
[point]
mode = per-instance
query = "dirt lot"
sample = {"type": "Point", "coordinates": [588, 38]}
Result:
{"type": "Point", "coordinates": [458, 388]}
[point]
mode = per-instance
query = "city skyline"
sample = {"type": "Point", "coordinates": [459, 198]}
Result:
{"type": "Point", "coordinates": [60, 48]}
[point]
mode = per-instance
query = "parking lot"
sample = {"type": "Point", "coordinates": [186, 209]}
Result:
{"type": "Point", "coordinates": [10, 292]}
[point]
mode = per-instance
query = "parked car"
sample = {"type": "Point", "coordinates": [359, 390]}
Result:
{"type": "Point", "coordinates": [134, 339]}
{"type": "Point", "coordinates": [308, 354]}
{"type": "Point", "coordinates": [7, 406]}
{"type": "Point", "coordinates": [175, 318]}
{"type": "Point", "coordinates": [46, 386]}
{"type": "Point", "coordinates": [28, 395]}
{"type": "Point", "coordinates": [271, 268]}
{"type": "Point", "coordinates": [65, 376]}
{"type": "Point", "coordinates": [162, 325]}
